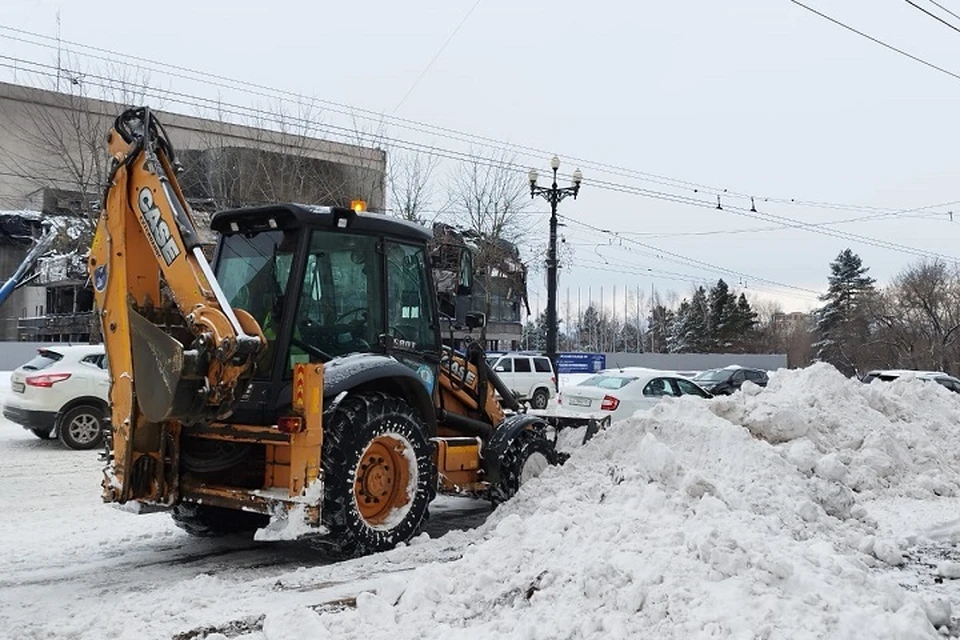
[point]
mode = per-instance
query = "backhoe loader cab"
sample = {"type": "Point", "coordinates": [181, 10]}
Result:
{"type": "Point", "coordinates": [324, 283]}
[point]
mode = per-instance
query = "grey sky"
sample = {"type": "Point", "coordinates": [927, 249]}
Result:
{"type": "Point", "coordinates": [756, 96]}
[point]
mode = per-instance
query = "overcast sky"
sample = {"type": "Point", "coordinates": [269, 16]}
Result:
{"type": "Point", "coordinates": [758, 97]}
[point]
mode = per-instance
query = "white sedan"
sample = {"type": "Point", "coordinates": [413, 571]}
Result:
{"type": "Point", "coordinates": [62, 392]}
{"type": "Point", "coordinates": [622, 392]}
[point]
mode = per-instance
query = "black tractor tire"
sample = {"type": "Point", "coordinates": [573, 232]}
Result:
{"type": "Point", "coordinates": [43, 434]}
{"type": "Point", "coordinates": [376, 456]}
{"type": "Point", "coordinates": [540, 399]}
{"type": "Point", "coordinates": [205, 521]}
{"type": "Point", "coordinates": [82, 427]}
{"type": "Point", "coordinates": [526, 457]}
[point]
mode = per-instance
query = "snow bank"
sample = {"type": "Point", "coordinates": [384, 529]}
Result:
{"type": "Point", "coordinates": [739, 517]}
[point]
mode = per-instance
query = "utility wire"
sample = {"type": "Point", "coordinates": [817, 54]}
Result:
{"type": "Point", "coordinates": [876, 40]}
{"type": "Point", "coordinates": [211, 79]}
{"type": "Point", "coordinates": [934, 2]}
{"type": "Point", "coordinates": [686, 260]}
{"type": "Point", "coordinates": [434, 58]}
{"type": "Point", "coordinates": [350, 135]}
{"type": "Point", "coordinates": [932, 15]}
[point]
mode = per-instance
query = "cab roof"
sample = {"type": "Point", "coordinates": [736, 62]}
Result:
{"type": "Point", "coordinates": [286, 215]}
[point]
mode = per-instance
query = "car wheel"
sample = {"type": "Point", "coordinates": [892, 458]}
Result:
{"type": "Point", "coordinates": [43, 434]}
{"type": "Point", "coordinates": [540, 398]}
{"type": "Point", "coordinates": [82, 427]}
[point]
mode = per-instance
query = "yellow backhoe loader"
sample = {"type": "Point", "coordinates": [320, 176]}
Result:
{"type": "Point", "coordinates": [298, 386]}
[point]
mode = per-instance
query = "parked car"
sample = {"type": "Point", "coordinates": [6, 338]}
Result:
{"type": "Point", "coordinates": [529, 376]}
{"type": "Point", "coordinates": [623, 392]}
{"type": "Point", "coordinates": [62, 392]}
{"type": "Point", "coordinates": [888, 375]}
{"type": "Point", "coordinates": [723, 382]}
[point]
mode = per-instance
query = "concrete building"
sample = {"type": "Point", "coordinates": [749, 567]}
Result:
{"type": "Point", "coordinates": [53, 162]}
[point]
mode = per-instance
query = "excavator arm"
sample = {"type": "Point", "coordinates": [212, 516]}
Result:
{"type": "Point", "coordinates": [178, 353]}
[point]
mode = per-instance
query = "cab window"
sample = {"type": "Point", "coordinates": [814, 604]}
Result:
{"type": "Point", "coordinates": [410, 300]}
{"type": "Point", "coordinates": [340, 307]}
{"type": "Point", "coordinates": [504, 366]}
{"type": "Point", "coordinates": [522, 365]}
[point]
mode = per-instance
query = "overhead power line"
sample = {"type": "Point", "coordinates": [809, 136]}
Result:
{"type": "Point", "coordinates": [931, 14]}
{"type": "Point", "coordinates": [250, 88]}
{"type": "Point", "coordinates": [877, 40]}
{"type": "Point", "coordinates": [693, 261]}
{"type": "Point", "coordinates": [353, 136]}
{"type": "Point", "coordinates": [435, 56]}
{"type": "Point", "coordinates": [935, 3]}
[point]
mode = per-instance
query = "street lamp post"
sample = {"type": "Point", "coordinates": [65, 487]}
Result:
{"type": "Point", "coordinates": [553, 194]}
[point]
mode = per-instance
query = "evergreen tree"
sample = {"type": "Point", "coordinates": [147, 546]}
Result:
{"type": "Point", "coordinates": [660, 328]}
{"type": "Point", "coordinates": [679, 330]}
{"type": "Point", "coordinates": [589, 329]}
{"type": "Point", "coordinates": [630, 338]}
{"type": "Point", "coordinates": [744, 325]}
{"type": "Point", "coordinates": [698, 323]}
{"type": "Point", "coordinates": [842, 323]}
{"type": "Point", "coordinates": [722, 319]}
{"type": "Point", "coordinates": [690, 329]}
{"type": "Point", "coordinates": [534, 333]}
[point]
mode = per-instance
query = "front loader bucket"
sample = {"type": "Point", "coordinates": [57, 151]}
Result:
{"type": "Point", "coordinates": [158, 363]}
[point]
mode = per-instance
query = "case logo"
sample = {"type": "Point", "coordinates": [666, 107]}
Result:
{"type": "Point", "coordinates": [160, 237]}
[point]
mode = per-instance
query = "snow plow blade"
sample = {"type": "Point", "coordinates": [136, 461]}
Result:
{"type": "Point", "coordinates": [593, 425]}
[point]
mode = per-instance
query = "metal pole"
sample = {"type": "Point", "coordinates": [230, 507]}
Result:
{"type": "Point", "coordinates": [552, 277]}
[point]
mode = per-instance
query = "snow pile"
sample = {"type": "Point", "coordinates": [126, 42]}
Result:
{"type": "Point", "coordinates": [739, 517]}
{"type": "Point", "coordinates": [900, 438]}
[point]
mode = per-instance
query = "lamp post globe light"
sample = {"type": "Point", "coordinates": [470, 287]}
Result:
{"type": "Point", "coordinates": [553, 194]}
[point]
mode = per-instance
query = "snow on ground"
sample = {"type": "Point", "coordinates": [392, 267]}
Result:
{"type": "Point", "coordinates": [817, 508]}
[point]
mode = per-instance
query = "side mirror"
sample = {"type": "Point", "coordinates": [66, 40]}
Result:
{"type": "Point", "coordinates": [475, 320]}
{"type": "Point", "coordinates": [500, 369]}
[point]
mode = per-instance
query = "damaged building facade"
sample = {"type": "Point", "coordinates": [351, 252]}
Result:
{"type": "Point", "coordinates": [476, 274]}
{"type": "Point", "coordinates": [52, 168]}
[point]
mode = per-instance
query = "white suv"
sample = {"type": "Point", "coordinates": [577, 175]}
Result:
{"type": "Point", "coordinates": [530, 377]}
{"type": "Point", "coordinates": [63, 391]}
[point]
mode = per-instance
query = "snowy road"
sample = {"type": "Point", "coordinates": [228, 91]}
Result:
{"type": "Point", "coordinates": [685, 523]}
{"type": "Point", "coordinates": [73, 567]}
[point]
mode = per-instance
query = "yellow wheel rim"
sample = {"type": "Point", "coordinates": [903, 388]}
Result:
{"type": "Point", "coordinates": [382, 478]}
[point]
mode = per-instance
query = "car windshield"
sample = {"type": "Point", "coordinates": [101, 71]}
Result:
{"type": "Point", "coordinates": [713, 375]}
{"type": "Point", "coordinates": [42, 360]}
{"type": "Point", "coordinates": [607, 381]}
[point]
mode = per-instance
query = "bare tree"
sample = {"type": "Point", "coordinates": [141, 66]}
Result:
{"type": "Point", "coordinates": [58, 143]}
{"type": "Point", "coordinates": [410, 185]}
{"type": "Point", "coordinates": [920, 318]}
{"type": "Point", "coordinates": [487, 199]}
{"type": "Point", "coordinates": [278, 155]}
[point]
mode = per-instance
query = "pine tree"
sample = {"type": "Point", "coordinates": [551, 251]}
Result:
{"type": "Point", "coordinates": [842, 323]}
{"type": "Point", "coordinates": [744, 325]}
{"type": "Point", "coordinates": [679, 330]}
{"type": "Point", "coordinates": [698, 323]}
{"type": "Point", "coordinates": [690, 329]}
{"type": "Point", "coordinates": [534, 333]}
{"type": "Point", "coordinates": [722, 319]}
{"type": "Point", "coordinates": [660, 327]}
{"type": "Point", "coordinates": [589, 329]}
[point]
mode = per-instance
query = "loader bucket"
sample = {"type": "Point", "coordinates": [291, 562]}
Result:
{"type": "Point", "coordinates": [158, 366]}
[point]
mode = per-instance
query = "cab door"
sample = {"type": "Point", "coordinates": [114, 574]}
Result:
{"type": "Point", "coordinates": [411, 314]}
